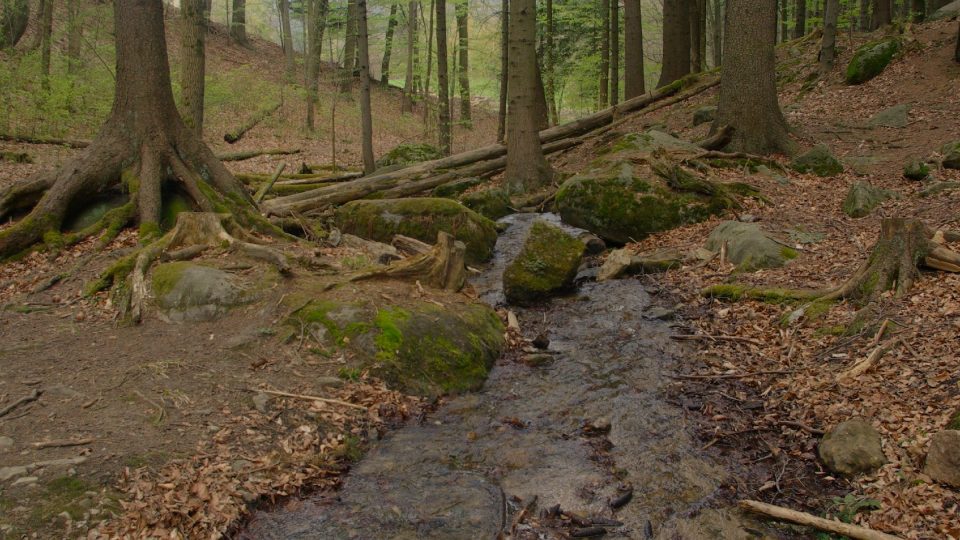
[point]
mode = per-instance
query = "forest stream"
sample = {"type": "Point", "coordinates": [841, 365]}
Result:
{"type": "Point", "coordinates": [579, 431]}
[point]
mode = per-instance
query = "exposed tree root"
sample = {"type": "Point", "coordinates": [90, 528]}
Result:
{"type": "Point", "coordinates": [442, 267]}
{"type": "Point", "coordinates": [894, 265]}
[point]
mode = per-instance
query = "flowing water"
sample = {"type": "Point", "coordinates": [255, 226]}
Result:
{"type": "Point", "coordinates": [532, 432]}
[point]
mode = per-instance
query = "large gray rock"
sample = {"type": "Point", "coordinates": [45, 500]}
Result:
{"type": "Point", "coordinates": [547, 264]}
{"type": "Point", "coordinates": [818, 160]}
{"type": "Point", "coordinates": [851, 448]}
{"type": "Point", "coordinates": [490, 203]}
{"type": "Point", "coordinates": [704, 115]}
{"type": "Point", "coordinates": [896, 117]}
{"type": "Point", "coordinates": [862, 198]}
{"type": "Point", "coordinates": [192, 292]}
{"type": "Point", "coordinates": [748, 246]}
{"type": "Point", "coordinates": [946, 12]}
{"type": "Point", "coordinates": [951, 155]}
{"type": "Point", "coordinates": [943, 460]}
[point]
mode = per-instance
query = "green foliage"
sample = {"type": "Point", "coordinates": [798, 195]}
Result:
{"type": "Point", "coordinates": [847, 507]}
{"type": "Point", "coordinates": [349, 374]}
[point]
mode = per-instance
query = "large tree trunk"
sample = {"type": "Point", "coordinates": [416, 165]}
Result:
{"type": "Point", "coordinates": [366, 116]}
{"type": "Point", "coordinates": [696, 61]}
{"type": "Point", "coordinates": [193, 62]}
{"type": "Point", "coordinates": [527, 168]}
{"type": "Point", "coordinates": [463, 48]}
{"type": "Point", "coordinates": [634, 74]}
{"type": "Point", "coordinates": [603, 95]}
{"type": "Point", "coordinates": [504, 69]}
{"type": "Point", "coordinates": [388, 46]}
{"type": "Point", "coordinates": [287, 37]}
{"type": "Point", "coordinates": [676, 41]}
{"type": "Point", "coordinates": [443, 80]}
{"type": "Point", "coordinates": [46, 38]}
{"type": "Point", "coordinates": [13, 22]}
{"type": "Point", "coordinates": [238, 22]}
{"type": "Point", "coordinates": [317, 23]}
{"type": "Point", "coordinates": [882, 14]}
{"type": "Point", "coordinates": [748, 90]}
{"type": "Point", "coordinates": [828, 49]}
{"type": "Point", "coordinates": [142, 139]}
{"type": "Point", "coordinates": [408, 89]}
{"type": "Point", "coordinates": [718, 34]}
{"type": "Point", "coordinates": [800, 25]}
{"type": "Point", "coordinates": [614, 52]}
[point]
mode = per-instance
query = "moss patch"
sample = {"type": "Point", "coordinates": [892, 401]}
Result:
{"type": "Point", "coordinates": [871, 59]}
{"type": "Point", "coordinates": [818, 160]}
{"type": "Point", "coordinates": [490, 203]}
{"type": "Point", "coordinates": [773, 295]}
{"type": "Point", "coordinates": [954, 422]}
{"type": "Point", "coordinates": [406, 154]}
{"type": "Point", "coordinates": [547, 263]}
{"type": "Point", "coordinates": [63, 494]}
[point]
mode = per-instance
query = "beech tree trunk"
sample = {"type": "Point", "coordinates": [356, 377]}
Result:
{"type": "Point", "coordinates": [828, 48]}
{"type": "Point", "coordinates": [366, 117]}
{"type": "Point", "coordinates": [46, 37]}
{"type": "Point", "coordinates": [800, 24]}
{"type": "Point", "coordinates": [676, 41]}
{"type": "Point", "coordinates": [463, 48]}
{"type": "Point", "coordinates": [748, 91]}
{"type": "Point", "coordinates": [408, 89]}
{"type": "Point", "coordinates": [287, 36]}
{"type": "Point", "coordinates": [504, 69]}
{"type": "Point", "coordinates": [193, 62]}
{"type": "Point", "coordinates": [142, 139]}
{"type": "Point", "coordinates": [316, 24]}
{"type": "Point", "coordinates": [238, 22]}
{"type": "Point", "coordinates": [13, 22]}
{"type": "Point", "coordinates": [633, 70]}
{"type": "Point", "coordinates": [614, 52]}
{"type": "Point", "coordinates": [526, 168]}
{"type": "Point", "coordinates": [603, 96]}
{"type": "Point", "coordinates": [388, 46]}
{"type": "Point", "coordinates": [443, 80]}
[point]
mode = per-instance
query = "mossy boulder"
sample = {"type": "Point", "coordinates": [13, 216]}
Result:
{"type": "Point", "coordinates": [916, 169]}
{"type": "Point", "coordinates": [491, 203]}
{"type": "Point", "coordinates": [614, 202]}
{"type": "Point", "coordinates": [421, 348]}
{"type": "Point", "coordinates": [871, 59]}
{"type": "Point", "coordinates": [818, 160]}
{"type": "Point", "coordinates": [862, 198]}
{"type": "Point", "coordinates": [192, 292]}
{"type": "Point", "coordinates": [407, 154]}
{"type": "Point", "coordinates": [704, 115]}
{"type": "Point", "coordinates": [851, 448]}
{"type": "Point", "coordinates": [748, 246]}
{"type": "Point", "coordinates": [951, 155]}
{"type": "Point", "coordinates": [94, 211]}
{"type": "Point", "coordinates": [547, 264]}
{"type": "Point", "coordinates": [457, 187]}
{"type": "Point", "coordinates": [420, 218]}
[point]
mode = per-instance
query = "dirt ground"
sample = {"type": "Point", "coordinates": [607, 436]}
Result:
{"type": "Point", "coordinates": [161, 426]}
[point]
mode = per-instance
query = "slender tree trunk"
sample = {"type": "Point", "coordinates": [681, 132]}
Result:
{"type": "Point", "coordinates": [864, 15]}
{"type": "Point", "coordinates": [542, 112]}
{"type": "Point", "coordinates": [784, 21]}
{"type": "Point", "coordinates": [634, 74]}
{"type": "Point", "coordinates": [443, 81]}
{"type": "Point", "coordinates": [703, 33]}
{"type": "Point", "coordinates": [550, 63]}
{"type": "Point", "coordinates": [193, 62]}
{"type": "Point", "coordinates": [238, 23]}
{"type": "Point", "coordinates": [527, 168]}
{"type": "Point", "coordinates": [504, 69]}
{"type": "Point", "coordinates": [718, 19]}
{"type": "Point", "coordinates": [828, 48]}
{"type": "Point", "coordinates": [287, 37]}
{"type": "Point", "coordinates": [603, 96]}
{"type": "Point", "coordinates": [388, 46]}
{"type": "Point", "coordinates": [408, 90]}
{"type": "Point", "coordinates": [676, 41]}
{"type": "Point", "coordinates": [748, 90]}
{"type": "Point", "coordinates": [13, 22]}
{"type": "Point", "coordinates": [317, 23]}
{"type": "Point", "coordinates": [463, 47]}
{"type": "Point", "coordinates": [74, 36]}
{"type": "Point", "coordinates": [882, 14]}
{"type": "Point", "coordinates": [46, 38]}
{"type": "Point", "coordinates": [347, 69]}
{"type": "Point", "coordinates": [614, 52]}
{"type": "Point", "coordinates": [800, 25]}
{"type": "Point", "coordinates": [366, 117]}
{"type": "Point", "coordinates": [918, 11]}
{"type": "Point", "coordinates": [429, 78]}
{"type": "Point", "coordinates": [696, 61]}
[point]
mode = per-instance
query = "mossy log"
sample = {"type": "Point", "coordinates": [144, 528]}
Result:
{"type": "Point", "coordinates": [26, 139]}
{"type": "Point", "coordinates": [251, 123]}
{"type": "Point", "coordinates": [241, 156]}
{"type": "Point", "coordinates": [904, 246]}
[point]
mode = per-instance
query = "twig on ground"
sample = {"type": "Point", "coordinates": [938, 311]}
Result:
{"type": "Point", "coordinates": [311, 398]}
{"type": "Point", "coordinates": [26, 399]}
{"type": "Point", "coordinates": [62, 443]}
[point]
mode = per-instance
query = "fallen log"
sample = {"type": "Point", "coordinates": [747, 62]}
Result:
{"type": "Point", "coordinates": [241, 156]}
{"type": "Point", "coordinates": [332, 195]}
{"type": "Point", "coordinates": [262, 192]}
{"type": "Point", "coordinates": [26, 139]}
{"type": "Point", "coordinates": [238, 133]}
{"type": "Point", "coordinates": [785, 514]}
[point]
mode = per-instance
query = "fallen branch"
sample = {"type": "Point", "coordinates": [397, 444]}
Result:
{"type": "Point", "coordinates": [70, 143]}
{"type": "Point", "coordinates": [63, 443]}
{"type": "Point", "coordinates": [785, 514]}
{"type": "Point", "coordinates": [238, 133]}
{"type": "Point", "coordinates": [311, 398]}
{"type": "Point", "coordinates": [864, 365]}
{"type": "Point", "coordinates": [241, 156]}
{"type": "Point", "coordinates": [265, 188]}
{"type": "Point", "coordinates": [26, 399]}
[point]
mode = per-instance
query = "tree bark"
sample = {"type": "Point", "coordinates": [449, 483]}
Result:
{"type": "Point", "coordinates": [882, 14]}
{"type": "Point", "coordinates": [784, 21]}
{"type": "Point", "coordinates": [443, 80]}
{"type": "Point", "coordinates": [427, 81]}
{"type": "Point", "coordinates": [918, 9]}
{"type": "Point", "coordinates": [603, 95]}
{"type": "Point", "coordinates": [676, 41]}
{"type": "Point", "coordinates": [366, 117]}
{"type": "Point", "coordinates": [748, 91]}
{"type": "Point", "coordinates": [74, 36]}
{"type": "Point", "coordinates": [287, 37]}
{"type": "Point", "coordinates": [614, 52]}
{"type": "Point", "coordinates": [634, 74]}
{"type": "Point", "coordinates": [193, 62]}
{"type": "Point", "coordinates": [463, 48]}
{"type": "Point", "coordinates": [388, 46]}
{"type": "Point", "coordinates": [828, 48]}
{"type": "Point", "coordinates": [238, 22]}
{"type": "Point", "coordinates": [13, 22]}
{"type": "Point", "coordinates": [348, 70]}
{"type": "Point", "coordinates": [46, 38]}
{"type": "Point", "coordinates": [317, 23]}
{"type": "Point", "coordinates": [864, 15]}
{"type": "Point", "coordinates": [696, 61]}
{"type": "Point", "coordinates": [956, 54]}
{"type": "Point", "coordinates": [800, 24]}
{"type": "Point", "coordinates": [408, 90]}
{"type": "Point", "coordinates": [527, 168]}
{"type": "Point", "coordinates": [504, 69]}
{"type": "Point", "coordinates": [550, 63]}
{"type": "Point", "coordinates": [718, 34]}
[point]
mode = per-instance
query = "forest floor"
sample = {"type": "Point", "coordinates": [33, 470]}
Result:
{"type": "Point", "coordinates": [157, 423]}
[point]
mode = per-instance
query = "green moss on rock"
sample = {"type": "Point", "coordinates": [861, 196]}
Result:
{"type": "Point", "coordinates": [951, 155]}
{"type": "Point", "coordinates": [748, 246]}
{"type": "Point", "coordinates": [422, 219]}
{"type": "Point", "coordinates": [547, 263]}
{"type": "Point", "coordinates": [490, 203]}
{"type": "Point", "coordinates": [453, 189]}
{"type": "Point", "coordinates": [917, 169]}
{"type": "Point", "coordinates": [871, 59]}
{"type": "Point", "coordinates": [190, 292]}
{"type": "Point", "coordinates": [818, 160]}
{"type": "Point", "coordinates": [406, 154]}
{"type": "Point", "coordinates": [862, 198]}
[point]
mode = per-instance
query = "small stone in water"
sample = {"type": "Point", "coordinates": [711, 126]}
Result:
{"type": "Point", "coordinates": [541, 341]}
